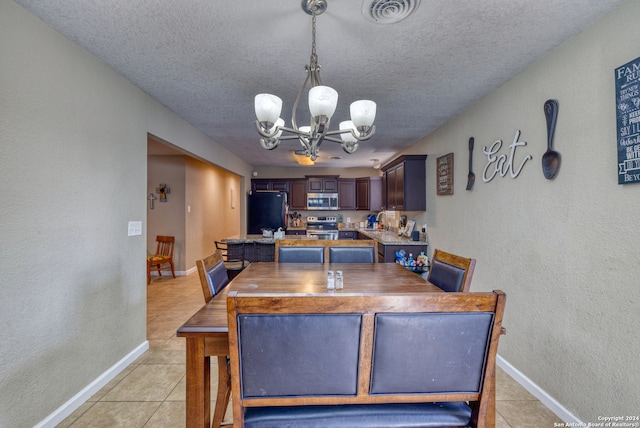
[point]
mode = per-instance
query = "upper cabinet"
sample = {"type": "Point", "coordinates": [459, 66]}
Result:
{"type": "Point", "coordinates": [347, 193]}
{"type": "Point", "coordinates": [406, 185]}
{"type": "Point", "coordinates": [322, 184]}
{"type": "Point", "coordinates": [270, 184]}
{"type": "Point", "coordinates": [298, 194]}
{"type": "Point", "coordinates": [369, 193]}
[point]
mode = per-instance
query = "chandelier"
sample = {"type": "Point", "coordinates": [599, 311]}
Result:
{"type": "Point", "coordinates": [322, 104]}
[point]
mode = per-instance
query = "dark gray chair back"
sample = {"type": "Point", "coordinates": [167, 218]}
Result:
{"type": "Point", "coordinates": [301, 254]}
{"type": "Point", "coordinates": [352, 255]}
{"type": "Point", "coordinates": [213, 275]}
{"type": "Point", "coordinates": [446, 353]}
{"type": "Point", "coordinates": [448, 277]}
{"type": "Point", "coordinates": [217, 278]}
{"type": "Point", "coordinates": [293, 355]}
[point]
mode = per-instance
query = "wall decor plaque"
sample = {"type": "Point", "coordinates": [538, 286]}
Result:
{"type": "Point", "coordinates": [445, 174]}
{"type": "Point", "coordinates": [628, 121]}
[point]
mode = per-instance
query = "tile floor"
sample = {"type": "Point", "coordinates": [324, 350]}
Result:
{"type": "Point", "coordinates": [151, 391]}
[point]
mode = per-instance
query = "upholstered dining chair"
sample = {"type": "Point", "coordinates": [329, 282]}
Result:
{"type": "Point", "coordinates": [298, 251]}
{"type": "Point", "coordinates": [352, 251]}
{"type": "Point", "coordinates": [233, 256]}
{"type": "Point", "coordinates": [163, 255]}
{"type": "Point", "coordinates": [213, 275]}
{"type": "Point", "coordinates": [450, 272]}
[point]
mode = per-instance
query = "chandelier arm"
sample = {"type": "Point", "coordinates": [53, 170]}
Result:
{"type": "Point", "coordinates": [264, 133]}
{"type": "Point", "coordinates": [269, 143]}
{"type": "Point", "coordinates": [295, 104]}
{"type": "Point", "coordinates": [350, 147]}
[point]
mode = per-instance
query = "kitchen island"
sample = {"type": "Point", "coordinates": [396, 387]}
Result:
{"type": "Point", "coordinates": [256, 248]}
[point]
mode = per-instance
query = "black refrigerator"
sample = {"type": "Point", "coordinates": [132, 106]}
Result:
{"type": "Point", "coordinates": [266, 210]}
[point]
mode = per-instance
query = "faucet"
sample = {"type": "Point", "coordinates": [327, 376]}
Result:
{"type": "Point", "coordinates": [386, 227]}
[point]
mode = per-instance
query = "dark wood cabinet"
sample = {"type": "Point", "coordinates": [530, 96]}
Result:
{"type": "Point", "coordinates": [296, 232]}
{"type": "Point", "coordinates": [322, 184]}
{"type": "Point", "coordinates": [298, 194]}
{"type": "Point", "coordinates": [387, 253]}
{"type": "Point", "coordinates": [347, 234]}
{"type": "Point", "coordinates": [270, 184]}
{"type": "Point", "coordinates": [369, 194]}
{"type": "Point", "coordinates": [406, 184]}
{"type": "Point", "coordinates": [347, 193]}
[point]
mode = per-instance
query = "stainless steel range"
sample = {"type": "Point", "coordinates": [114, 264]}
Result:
{"type": "Point", "coordinates": [322, 227]}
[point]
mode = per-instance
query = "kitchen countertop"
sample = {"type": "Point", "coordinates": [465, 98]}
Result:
{"type": "Point", "coordinates": [239, 239]}
{"type": "Point", "coordinates": [382, 237]}
{"type": "Point", "coordinates": [388, 237]}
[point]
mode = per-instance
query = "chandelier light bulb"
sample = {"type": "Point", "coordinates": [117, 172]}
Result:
{"type": "Point", "coordinates": [268, 108]}
{"type": "Point", "coordinates": [280, 123]}
{"type": "Point", "coordinates": [348, 126]}
{"type": "Point", "coordinates": [363, 113]}
{"type": "Point", "coordinates": [322, 101]}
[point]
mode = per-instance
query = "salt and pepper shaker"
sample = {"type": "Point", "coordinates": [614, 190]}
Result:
{"type": "Point", "coordinates": [331, 281]}
{"type": "Point", "coordinates": [339, 282]}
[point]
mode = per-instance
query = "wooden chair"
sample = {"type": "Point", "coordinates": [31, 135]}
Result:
{"type": "Point", "coordinates": [163, 255]}
{"type": "Point", "coordinates": [352, 251]}
{"type": "Point", "coordinates": [213, 275]}
{"type": "Point", "coordinates": [233, 256]}
{"type": "Point", "coordinates": [366, 360]}
{"type": "Point", "coordinates": [451, 272]}
{"type": "Point", "coordinates": [299, 251]}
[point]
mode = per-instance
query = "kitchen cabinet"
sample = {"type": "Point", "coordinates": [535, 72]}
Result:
{"type": "Point", "coordinates": [322, 184]}
{"type": "Point", "coordinates": [387, 253]}
{"type": "Point", "coordinates": [270, 184]}
{"type": "Point", "coordinates": [369, 193]}
{"type": "Point", "coordinates": [362, 236]}
{"type": "Point", "coordinates": [296, 232]}
{"type": "Point", "coordinates": [347, 234]}
{"type": "Point", "coordinates": [347, 193]}
{"type": "Point", "coordinates": [406, 184]}
{"type": "Point", "coordinates": [297, 194]}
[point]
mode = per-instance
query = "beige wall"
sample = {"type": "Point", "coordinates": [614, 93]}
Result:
{"type": "Point", "coordinates": [167, 218]}
{"type": "Point", "coordinates": [564, 250]}
{"type": "Point", "coordinates": [73, 167]}
{"type": "Point", "coordinates": [213, 195]}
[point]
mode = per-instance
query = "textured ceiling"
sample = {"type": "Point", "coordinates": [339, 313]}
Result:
{"type": "Point", "coordinates": [206, 59]}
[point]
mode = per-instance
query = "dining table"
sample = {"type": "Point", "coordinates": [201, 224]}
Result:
{"type": "Point", "coordinates": [206, 332]}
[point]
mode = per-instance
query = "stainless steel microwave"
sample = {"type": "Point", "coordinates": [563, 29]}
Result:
{"type": "Point", "coordinates": [322, 201]}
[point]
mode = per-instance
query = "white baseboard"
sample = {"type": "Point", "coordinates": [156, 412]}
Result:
{"type": "Point", "coordinates": [551, 403]}
{"type": "Point", "coordinates": [178, 272]}
{"type": "Point", "coordinates": [87, 392]}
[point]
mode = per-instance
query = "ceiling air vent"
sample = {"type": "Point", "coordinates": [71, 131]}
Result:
{"type": "Point", "coordinates": [388, 11]}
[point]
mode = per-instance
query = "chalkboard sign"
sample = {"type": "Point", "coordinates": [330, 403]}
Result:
{"type": "Point", "coordinates": [445, 174]}
{"type": "Point", "coordinates": [628, 121]}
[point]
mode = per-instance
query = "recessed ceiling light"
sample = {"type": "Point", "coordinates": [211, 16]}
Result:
{"type": "Point", "coordinates": [335, 157]}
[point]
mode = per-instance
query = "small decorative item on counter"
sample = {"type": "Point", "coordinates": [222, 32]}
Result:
{"type": "Point", "coordinates": [419, 265]}
{"type": "Point", "coordinates": [296, 219]}
{"type": "Point", "coordinates": [339, 280]}
{"type": "Point", "coordinates": [331, 284]}
{"type": "Point", "coordinates": [279, 234]}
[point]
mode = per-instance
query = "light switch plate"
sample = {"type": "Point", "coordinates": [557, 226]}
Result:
{"type": "Point", "coordinates": [135, 228]}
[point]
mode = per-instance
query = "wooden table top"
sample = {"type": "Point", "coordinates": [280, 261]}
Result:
{"type": "Point", "coordinates": [310, 279]}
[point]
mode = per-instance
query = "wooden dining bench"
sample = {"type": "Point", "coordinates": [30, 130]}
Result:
{"type": "Point", "coordinates": [366, 360]}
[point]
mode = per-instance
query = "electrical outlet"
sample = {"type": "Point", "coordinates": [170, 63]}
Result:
{"type": "Point", "coordinates": [135, 228]}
